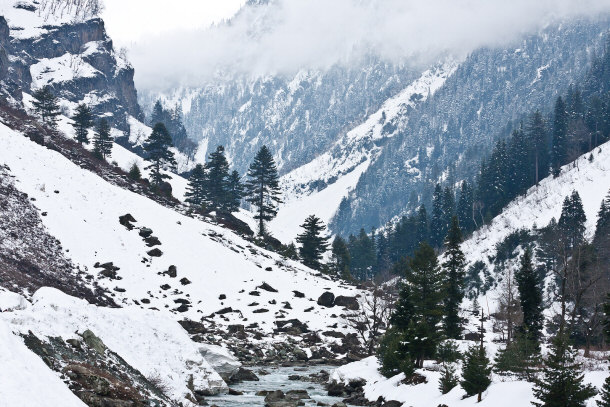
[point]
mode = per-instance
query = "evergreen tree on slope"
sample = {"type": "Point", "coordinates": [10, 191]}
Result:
{"type": "Point", "coordinates": [196, 193]}
{"type": "Point", "coordinates": [82, 122]}
{"type": "Point", "coordinates": [453, 268]}
{"type": "Point", "coordinates": [530, 293]}
{"type": "Point", "coordinates": [217, 174]}
{"type": "Point", "coordinates": [262, 187]}
{"type": "Point", "coordinates": [46, 106]}
{"type": "Point", "coordinates": [160, 156]}
{"type": "Point", "coordinates": [102, 141]}
{"type": "Point", "coordinates": [314, 242]}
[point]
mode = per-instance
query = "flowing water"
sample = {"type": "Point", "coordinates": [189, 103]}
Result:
{"type": "Point", "coordinates": [277, 379]}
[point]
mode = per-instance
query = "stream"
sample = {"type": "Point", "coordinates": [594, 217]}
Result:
{"type": "Point", "coordinates": [277, 379]}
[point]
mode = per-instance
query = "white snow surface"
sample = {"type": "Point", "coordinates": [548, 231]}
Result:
{"type": "Point", "coordinates": [84, 215]}
{"type": "Point", "coordinates": [503, 392]}
{"type": "Point", "coordinates": [25, 380]}
{"type": "Point", "coordinates": [61, 69]}
{"type": "Point", "coordinates": [340, 168]}
{"type": "Point", "coordinates": [152, 342]}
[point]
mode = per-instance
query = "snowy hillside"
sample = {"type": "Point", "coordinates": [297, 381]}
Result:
{"type": "Point", "coordinates": [543, 202]}
{"type": "Point", "coordinates": [319, 186]}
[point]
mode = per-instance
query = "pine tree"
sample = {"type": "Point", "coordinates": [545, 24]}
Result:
{"type": "Point", "coordinates": [477, 368]}
{"type": "Point", "coordinates": [448, 209]}
{"type": "Point", "coordinates": [262, 187]}
{"type": "Point", "coordinates": [437, 227]}
{"type": "Point", "coordinates": [453, 268]}
{"type": "Point", "coordinates": [521, 357]}
{"type": "Point", "coordinates": [561, 384]}
{"type": "Point", "coordinates": [464, 207]}
{"type": "Point", "coordinates": [421, 228]}
{"type": "Point", "coordinates": [314, 242]}
{"type": "Point", "coordinates": [537, 134]}
{"type": "Point", "coordinates": [82, 122]}
{"type": "Point", "coordinates": [196, 192]}
{"type": "Point", "coordinates": [425, 283]}
{"type": "Point", "coordinates": [340, 257]}
{"type": "Point", "coordinates": [605, 394]}
{"type": "Point", "coordinates": [560, 134]}
{"type": "Point", "coordinates": [102, 141]}
{"type": "Point", "coordinates": [530, 293]}
{"type": "Point", "coordinates": [217, 173]}
{"type": "Point", "coordinates": [572, 221]}
{"type": "Point", "coordinates": [157, 147]}
{"type": "Point", "coordinates": [448, 378]}
{"type": "Point", "coordinates": [134, 172]}
{"type": "Point", "coordinates": [46, 106]}
{"type": "Point", "coordinates": [235, 192]}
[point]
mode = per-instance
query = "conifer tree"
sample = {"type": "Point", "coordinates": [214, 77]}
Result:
{"type": "Point", "coordinates": [605, 394]}
{"type": "Point", "coordinates": [537, 135]}
{"type": "Point", "coordinates": [235, 192]}
{"type": "Point", "coordinates": [437, 227]}
{"type": "Point", "coordinates": [521, 357]}
{"type": "Point", "coordinates": [560, 134]}
{"type": "Point", "coordinates": [314, 242]}
{"type": "Point", "coordinates": [477, 369]}
{"type": "Point", "coordinates": [102, 141]}
{"type": "Point", "coordinates": [448, 378]}
{"type": "Point", "coordinates": [46, 106]}
{"type": "Point", "coordinates": [421, 227]}
{"type": "Point", "coordinates": [157, 147]}
{"type": "Point", "coordinates": [572, 221]}
{"type": "Point", "coordinates": [262, 186]}
{"type": "Point", "coordinates": [82, 122]}
{"type": "Point", "coordinates": [340, 257]}
{"type": "Point", "coordinates": [464, 207]}
{"type": "Point", "coordinates": [530, 293]}
{"type": "Point", "coordinates": [454, 269]}
{"type": "Point", "coordinates": [561, 384]}
{"type": "Point", "coordinates": [424, 291]}
{"type": "Point", "coordinates": [217, 174]}
{"type": "Point", "coordinates": [134, 172]}
{"type": "Point", "coordinates": [196, 192]}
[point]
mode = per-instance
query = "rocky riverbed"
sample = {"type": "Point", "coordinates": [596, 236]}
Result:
{"type": "Point", "coordinates": [281, 387]}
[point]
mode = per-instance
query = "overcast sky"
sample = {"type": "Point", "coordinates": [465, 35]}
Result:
{"type": "Point", "coordinates": [129, 21]}
{"type": "Point", "coordinates": [171, 43]}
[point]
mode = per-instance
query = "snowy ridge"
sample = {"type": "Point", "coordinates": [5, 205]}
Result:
{"type": "Point", "coordinates": [319, 186]}
{"type": "Point", "coordinates": [543, 202]}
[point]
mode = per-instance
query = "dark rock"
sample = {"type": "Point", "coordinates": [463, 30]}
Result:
{"type": "Point", "coordinates": [182, 308]}
{"type": "Point", "coordinates": [267, 287]}
{"type": "Point", "coordinates": [155, 252]}
{"type": "Point", "coordinates": [93, 342]}
{"type": "Point", "coordinates": [193, 327]}
{"type": "Point", "coordinates": [260, 311]}
{"type": "Point", "coordinates": [255, 293]}
{"type": "Point", "coordinates": [298, 294]}
{"type": "Point", "coordinates": [327, 299]}
{"type": "Point", "coordinates": [145, 232]}
{"type": "Point", "coordinates": [392, 403]}
{"type": "Point", "coordinates": [152, 241]}
{"type": "Point", "coordinates": [185, 281]}
{"type": "Point", "coordinates": [145, 301]}
{"type": "Point", "coordinates": [232, 329]}
{"type": "Point", "coordinates": [244, 375]}
{"type": "Point", "coordinates": [233, 392]}
{"type": "Point", "coordinates": [222, 297]}
{"type": "Point", "coordinates": [172, 271]}
{"type": "Point", "coordinates": [351, 303]}
{"type": "Point", "coordinates": [126, 220]}
{"type": "Point", "coordinates": [334, 334]}
{"type": "Point", "coordinates": [225, 310]}
{"type": "Point", "coordinates": [166, 287]}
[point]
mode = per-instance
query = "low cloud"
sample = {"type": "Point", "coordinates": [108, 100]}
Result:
{"type": "Point", "coordinates": [287, 35]}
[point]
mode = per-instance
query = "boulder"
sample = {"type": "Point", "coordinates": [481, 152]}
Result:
{"type": "Point", "coordinates": [145, 232]}
{"type": "Point", "coordinates": [392, 403]}
{"type": "Point", "coordinates": [267, 287]}
{"type": "Point", "coordinates": [185, 281]}
{"type": "Point", "coordinates": [126, 221]}
{"type": "Point", "coordinates": [327, 299]}
{"type": "Point", "coordinates": [298, 294]}
{"type": "Point", "coordinates": [351, 303]}
{"type": "Point", "coordinates": [221, 359]}
{"type": "Point", "coordinates": [156, 252]}
{"type": "Point", "coordinates": [94, 342]}
{"type": "Point", "coordinates": [243, 375]}
{"type": "Point", "coordinates": [172, 271]}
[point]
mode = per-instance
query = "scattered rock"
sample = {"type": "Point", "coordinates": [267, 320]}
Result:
{"type": "Point", "coordinates": [152, 241]}
{"type": "Point", "coordinates": [185, 281]}
{"type": "Point", "coordinates": [351, 303]}
{"type": "Point", "coordinates": [156, 252]}
{"type": "Point", "coordinates": [126, 221]}
{"type": "Point", "coordinates": [260, 311]}
{"type": "Point", "coordinates": [298, 294]}
{"type": "Point", "coordinates": [145, 232]}
{"type": "Point", "coordinates": [327, 299]}
{"type": "Point", "coordinates": [233, 392]}
{"type": "Point", "coordinates": [172, 271]}
{"type": "Point", "coordinates": [225, 310]}
{"type": "Point", "coordinates": [222, 297]}
{"type": "Point", "coordinates": [255, 293]}
{"type": "Point", "coordinates": [166, 287]}
{"type": "Point", "coordinates": [267, 287]}
{"type": "Point", "coordinates": [93, 342]}
{"type": "Point", "coordinates": [244, 375]}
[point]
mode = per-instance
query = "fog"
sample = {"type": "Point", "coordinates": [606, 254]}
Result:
{"type": "Point", "coordinates": [287, 35]}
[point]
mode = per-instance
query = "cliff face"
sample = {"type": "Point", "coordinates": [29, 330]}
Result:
{"type": "Point", "coordinates": [73, 56]}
